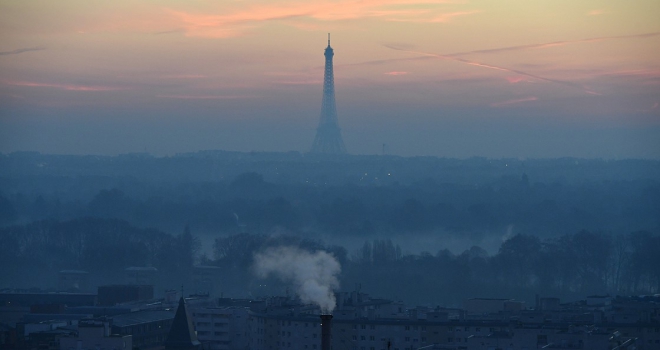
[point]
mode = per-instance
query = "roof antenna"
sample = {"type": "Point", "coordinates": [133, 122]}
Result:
{"type": "Point", "coordinates": [328, 39]}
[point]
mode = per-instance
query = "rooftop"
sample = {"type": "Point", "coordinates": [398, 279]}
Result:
{"type": "Point", "coordinates": [140, 317]}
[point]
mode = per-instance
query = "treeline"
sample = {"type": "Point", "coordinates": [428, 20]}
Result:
{"type": "Point", "coordinates": [250, 203]}
{"type": "Point", "coordinates": [569, 266]}
{"type": "Point", "coordinates": [31, 255]}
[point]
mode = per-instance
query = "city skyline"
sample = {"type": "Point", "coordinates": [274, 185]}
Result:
{"type": "Point", "coordinates": [426, 77]}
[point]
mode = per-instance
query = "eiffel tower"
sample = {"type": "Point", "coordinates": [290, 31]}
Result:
{"type": "Point", "coordinates": [328, 135]}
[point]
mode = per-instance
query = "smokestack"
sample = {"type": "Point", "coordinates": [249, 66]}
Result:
{"type": "Point", "coordinates": [326, 332]}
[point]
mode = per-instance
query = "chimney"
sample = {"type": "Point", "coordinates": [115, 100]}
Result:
{"type": "Point", "coordinates": [326, 332]}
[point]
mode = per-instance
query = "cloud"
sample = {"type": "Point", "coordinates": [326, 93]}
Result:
{"type": "Point", "coordinates": [300, 82]}
{"type": "Point", "coordinates": [300, 13]}
{"type": "Point", "coordinates": [499, 68]}
{"type": "Point", "coordinates": [204, 97]}
{"type": "Point", "coordinates": [553, 44]}
{"type": "Point", "coordinates": [396, 73]}
{"type": "Point", "coordinates": [440, 18]}
{"type": "Point", "coordinates": [184, 76]}
{"type": "Point", "coordinates": [513, 102]}
{"type": "Point", "coordinates": [409, 47]}
{"type": "Point", "coordinates": [172, 31]}
{"type": "Point", "coordinates": [515, 80]}
{"type": "Point", "coordinates": [653, 108]}
{"type": "Point", "coordinates": [647, 73]}
{"type": "Point", "coordinates": [69, 87]}
{"type": "Point", "coordinates": [19, 51]}
{"type": "Point", "coordinates": [596, 12]}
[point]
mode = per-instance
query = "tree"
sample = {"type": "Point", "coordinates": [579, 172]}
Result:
{"type": "Point", "coordinates": [589, 254]}
{"type": "Point", "coordinates": [517, 258]}
{"type": "Point", "coordinates": [238, 250]}
{"type": "Point", "coordinates": [384, 251]}
{"type": "Point", "coordinates": [189, 246]}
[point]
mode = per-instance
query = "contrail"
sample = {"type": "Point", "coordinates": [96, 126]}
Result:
{"type": "Point", "coordinates": [455, 56]}
{"type": "Point", "coordinates": [554, 43]}
{"type": "Point", "coordinates": [17, 51]}
{"type": "Point", "coordinates": [490, 66]}
{"type": "Point", "coordinates": [510, 48]}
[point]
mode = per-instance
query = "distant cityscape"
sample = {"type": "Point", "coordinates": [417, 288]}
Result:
{"type": "Point", "coordinates": [129, 317]}
{"type": "Point", "coordinates": [96, 249]}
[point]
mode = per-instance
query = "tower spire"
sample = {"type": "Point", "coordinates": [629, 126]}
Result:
{"type": "Point", "coordinates": [328, 135]}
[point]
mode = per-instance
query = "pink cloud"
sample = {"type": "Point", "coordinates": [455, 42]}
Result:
{"type": "Point", "coordinates": [515, 80]}
{"type": "Point", "coordinates": [204, 97]}
{"type": "Point", "coordinates": [300, 82]}
{"type": "Point", "coordinates": [415, 16]}
{"type": "Point", "coordinates": [300, 13]}
{"type": "Point", "coordinates": [68, 87]}
{"type": "Point", "coordinates": [498, 68]}
{"type": "Point", "coordinates": [513, 102]}
{"type": "Point", "coordinates": [650, 110]}
{"type": "Point", "coordinates": [649, 73]}
{"type": "Point", "coordinates": [446, 17]}
{"type": "Point", "coordinates": [596, 12]}
{"type": "Point", "coordinates": [555, 44]}
{"type": "Point", "coordinates": [396, 73]}
{"type": "Point", "coordinates": [184, 76]}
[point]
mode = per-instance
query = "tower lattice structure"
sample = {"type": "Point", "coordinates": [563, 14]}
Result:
{"type": "Point", "coordinates": [328, 135]}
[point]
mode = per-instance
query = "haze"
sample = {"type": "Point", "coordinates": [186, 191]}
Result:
{"type": "Point", "coordinates": [443, 78]}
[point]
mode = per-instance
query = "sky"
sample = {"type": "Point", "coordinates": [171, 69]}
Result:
{"type": "Point", "coordinates": [506, 78]}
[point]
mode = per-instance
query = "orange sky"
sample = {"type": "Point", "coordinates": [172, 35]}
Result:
{"type": "Point", "coordinates": [402, 67]}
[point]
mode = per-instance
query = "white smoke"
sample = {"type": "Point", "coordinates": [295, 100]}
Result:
{"type": "Point", "coordinates": [314, 275]}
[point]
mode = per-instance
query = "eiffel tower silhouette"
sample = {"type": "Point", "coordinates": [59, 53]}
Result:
{"type": "Point", "coordinates": [328, 135]}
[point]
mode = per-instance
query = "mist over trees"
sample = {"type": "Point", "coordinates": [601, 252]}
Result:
{"type": "Point", "coordinates": [570, 266]}
{"type": "Point", "coordinates": [565, 227]}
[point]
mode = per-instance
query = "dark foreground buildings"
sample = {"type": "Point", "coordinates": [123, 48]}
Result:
{"type": "Point", "coordinates": [359, 322]}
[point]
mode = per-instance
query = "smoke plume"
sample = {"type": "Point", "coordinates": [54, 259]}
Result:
{"type": "Point", "coordinates": [314, 275]}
